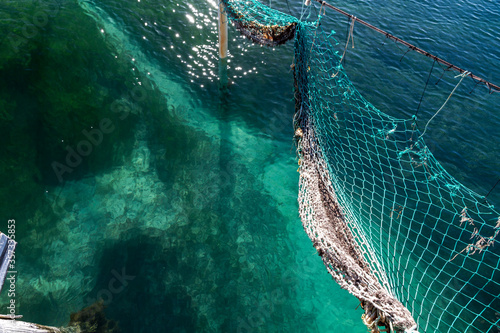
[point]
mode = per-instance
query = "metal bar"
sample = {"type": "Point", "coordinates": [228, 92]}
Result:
{"type": "Point", "coordinates": [412, 47]}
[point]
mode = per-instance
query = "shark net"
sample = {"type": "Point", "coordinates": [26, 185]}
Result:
{"type": "Point", "coordinates": [392, 227]}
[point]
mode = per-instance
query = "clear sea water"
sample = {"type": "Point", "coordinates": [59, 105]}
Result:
{"type": "Point", "coordinates": [189, 194]}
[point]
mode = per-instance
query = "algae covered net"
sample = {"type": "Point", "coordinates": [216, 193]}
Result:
{"type": "Point", "coordinates": [393, 227]}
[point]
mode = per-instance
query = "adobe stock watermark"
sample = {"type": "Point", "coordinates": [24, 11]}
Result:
{"type": "Point", "coordinates": [95, 135]}
{"type": "Point", "coordinates": [11, 278]}
{"type": "Point", "coordinates": [32, 25]}
{"type": "Point", "coordinates": [117, 284]}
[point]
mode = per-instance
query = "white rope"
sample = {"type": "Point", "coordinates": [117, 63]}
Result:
{"type": "Point", "coordinates": [351, 31]}
{"type": "Point", "coordinates": [463, 75]}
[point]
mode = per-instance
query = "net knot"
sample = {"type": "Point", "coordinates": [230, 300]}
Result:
{"type": "Point", "coordinates": [453, 189]}
{"type": "Point", "coordinates": [464, 74]}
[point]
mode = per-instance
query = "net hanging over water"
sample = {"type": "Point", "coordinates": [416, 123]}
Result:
{"type": "Point", "coordinates": [392, 226]}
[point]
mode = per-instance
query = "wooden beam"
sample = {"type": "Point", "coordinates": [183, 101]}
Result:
{"type": "Point", "coordinates": [16, 326]}
{"type": "Point", "coordinates": [222, 31]}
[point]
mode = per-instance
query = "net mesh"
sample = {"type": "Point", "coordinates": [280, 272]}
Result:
{"type": "Point", "coordinates": [391, 225]}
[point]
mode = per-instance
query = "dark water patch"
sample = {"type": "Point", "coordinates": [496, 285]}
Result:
{"type": "Point", "coordinates": [143, 267]}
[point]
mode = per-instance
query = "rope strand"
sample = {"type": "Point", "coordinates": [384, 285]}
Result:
{"type": "Point", "coordinates": [426, 83]}
{"type": "Point", "coordinates": [486, 196]}
{"type": "Point", "coordinates": [463, 75]}
{"type": "Point", "coordinates": [491, 86]}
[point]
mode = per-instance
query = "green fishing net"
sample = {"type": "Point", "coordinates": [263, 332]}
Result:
{"type": "Point", "coordinates": [392, 226]}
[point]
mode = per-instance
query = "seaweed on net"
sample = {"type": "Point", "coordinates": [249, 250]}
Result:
{"type": "Point", "coordinates": [264, 30]}
{"type": "Point", "coordinates": [273, 35]}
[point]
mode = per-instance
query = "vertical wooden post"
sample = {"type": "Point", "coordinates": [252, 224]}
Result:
{"type": "Point", "coordinates": [222, 31]}
{"type": "Point", "coordinates": [222, 46]}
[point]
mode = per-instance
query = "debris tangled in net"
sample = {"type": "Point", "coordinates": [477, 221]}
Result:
{"type": "Point", "coordinates": [325, 225]}
{"type": "Point", "coordinates": [260, 30]}
{"type": "Point", "coordinates": [267, 35]}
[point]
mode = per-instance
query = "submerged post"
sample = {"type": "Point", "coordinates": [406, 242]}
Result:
{"type": "Point", "coordinates": [222, 31]}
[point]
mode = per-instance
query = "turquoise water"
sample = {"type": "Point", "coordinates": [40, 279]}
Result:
{"type": "Point", "coordinates": [189, 192]}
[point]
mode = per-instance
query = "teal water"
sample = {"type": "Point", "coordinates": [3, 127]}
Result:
{"type": "Point", "coordinates": [191, 193]}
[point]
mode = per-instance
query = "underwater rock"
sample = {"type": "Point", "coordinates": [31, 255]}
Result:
{"type": "Point", "coordinates": [116, 207]}
{"type": "Point", "coordinates": [92, 319]}
{"type": "Point", "coordinates": [141, 159]}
